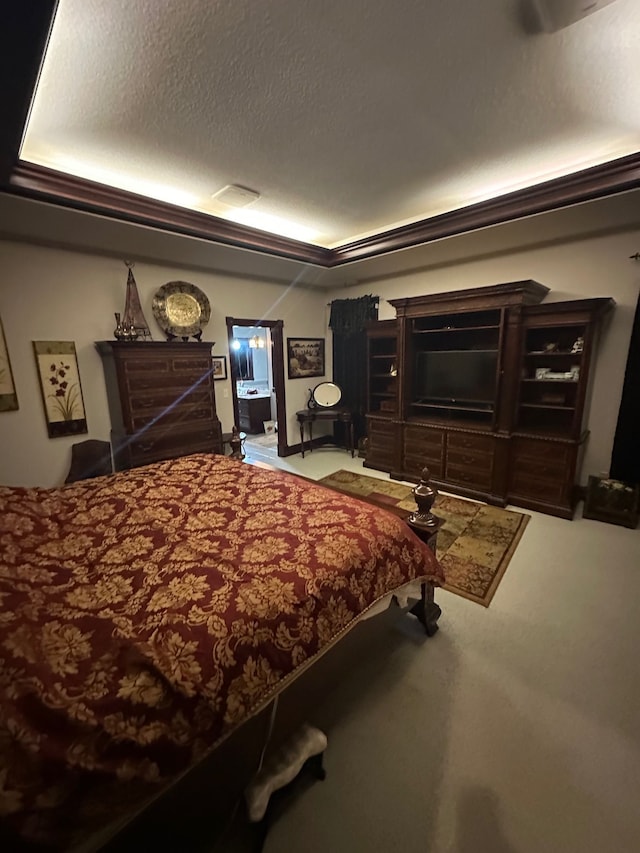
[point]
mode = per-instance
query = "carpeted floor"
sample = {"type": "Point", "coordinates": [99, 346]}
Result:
{"type": "Point", "coordinates": [475, 543]}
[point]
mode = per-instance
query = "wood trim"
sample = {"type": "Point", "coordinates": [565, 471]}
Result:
{"type": "Point", "coordinates": [610, 178]}
{"type": "Point", "coordinates": [607, 179]}
{"type": "Point", "coordinates": [277, 366]}
{"type": "Point", "coordinates": [35, 181]}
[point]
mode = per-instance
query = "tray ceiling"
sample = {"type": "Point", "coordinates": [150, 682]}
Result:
{"type": "Point", "coordinates": [349, 119]}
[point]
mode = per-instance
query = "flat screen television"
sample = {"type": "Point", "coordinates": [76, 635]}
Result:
{"type": "Point", "coordinates": [457, 377]}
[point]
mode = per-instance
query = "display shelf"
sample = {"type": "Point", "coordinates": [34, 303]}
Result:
{"type": "Point", "coordinates": [467, 387]}
{"type": "Point", "coordinates": [549, 406]}
{"type": "Point", "coordinates": [447, 329]}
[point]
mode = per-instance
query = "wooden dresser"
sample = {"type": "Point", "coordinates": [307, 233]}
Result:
{"type": "Point", "coordinates": [161, 400]}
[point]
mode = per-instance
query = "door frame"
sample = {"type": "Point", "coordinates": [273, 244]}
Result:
{"type": "Point", "coordinates": [277, 369]}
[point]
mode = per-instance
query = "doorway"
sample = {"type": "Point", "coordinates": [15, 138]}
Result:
{"type": "Point", "coordinates": [247, 371]}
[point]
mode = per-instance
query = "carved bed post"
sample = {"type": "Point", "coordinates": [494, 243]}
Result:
{"type": "Point", "coordinates": [236, 444]}
{"type": "Point", "coordinates": [426, 525]}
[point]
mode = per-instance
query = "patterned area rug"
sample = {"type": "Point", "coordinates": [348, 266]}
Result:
{"type": "Point", "coordinates": [475, 543]}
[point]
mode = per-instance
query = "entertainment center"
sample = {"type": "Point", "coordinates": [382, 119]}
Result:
{"type": "Point", "coordinates": [488, 388]}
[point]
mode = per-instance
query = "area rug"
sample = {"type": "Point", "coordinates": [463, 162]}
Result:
{"type": "Point", "coordinates": [475, 543]}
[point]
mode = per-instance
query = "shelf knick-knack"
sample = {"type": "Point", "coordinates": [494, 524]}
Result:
{"type": "Point", "coordinates": [119, 332]}
{"type": "Point", "coordinates": [133, 320]}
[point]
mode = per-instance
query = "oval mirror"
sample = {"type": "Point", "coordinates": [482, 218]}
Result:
{"type": "Point", "coordinates": [327, 394]}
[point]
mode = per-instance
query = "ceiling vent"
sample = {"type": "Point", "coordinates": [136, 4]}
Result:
{"type": "Point", "coordinates": [557, 14]}
{"type": "Point", "coordinates": [235, 196]}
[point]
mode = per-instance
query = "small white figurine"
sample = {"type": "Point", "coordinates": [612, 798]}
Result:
{"type": "Point", "coordinates": [578, 345]}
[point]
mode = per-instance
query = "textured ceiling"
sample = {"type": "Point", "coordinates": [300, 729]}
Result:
{"type": "Point", "coordinates": [347, 117]}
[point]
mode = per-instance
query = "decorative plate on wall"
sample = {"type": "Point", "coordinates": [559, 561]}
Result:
{"type": "Point", "coordinates": [181, 310]}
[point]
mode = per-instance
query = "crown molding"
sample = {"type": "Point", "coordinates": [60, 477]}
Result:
{"type": "Point", "coordinates": [607, 179]}
{"type": "Point", "coordinates": [40, 182]}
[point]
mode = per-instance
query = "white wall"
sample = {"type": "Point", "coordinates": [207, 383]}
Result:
{"type": "Point", "coordinates": [575, 269]}
{"type": "Point", "coordinates": [53, 294]}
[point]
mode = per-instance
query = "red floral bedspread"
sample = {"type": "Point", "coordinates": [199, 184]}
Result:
{"type": "Point", "coordinates": [143, 616]}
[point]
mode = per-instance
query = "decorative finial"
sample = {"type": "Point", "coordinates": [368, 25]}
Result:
{"type": "Point", "coordinates": [130, 264]}
{"type": "Point", "coordinates": [424, 496]}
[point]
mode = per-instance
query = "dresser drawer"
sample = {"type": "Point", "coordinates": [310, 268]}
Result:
{"type": "Point", "coordinates": [144, 365]}
{"type": "Point", "coordinates": [167, 408]}
{"type": "Point", "coordinates": [469, 441]}
{"type": "Point", "coordinates": [145, 401]}
{"type": "Point", "coordinates": [381, 428]}
{"type": "Point", "coordinates": [136, 382]}
{"type": "Point", "coordinates": [413, 465]}
{"type": "Point", "coordinates": [471, 477]}
{"type": "Point", "coordinates": [182, 414]}
{"type": "Point", "coordinates": [541, 469]}
{"type": "Point", "coordinates": [476, 459]}
{"type": "Point", "coordinates": [379, 443]}
{"type": "Point", "coordinates": [547, 451]}
{"type": "Point", "coordinates": [526, 485]}
{"type": "Point", "coordinates": [420, 438]}
{"type": "Point", "coordinates": [156, 445]}
{"type": "Point", "coordinates": [380, 456]}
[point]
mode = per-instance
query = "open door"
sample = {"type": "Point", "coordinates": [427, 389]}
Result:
{"type": "Point", "coordinates": [277, 371]}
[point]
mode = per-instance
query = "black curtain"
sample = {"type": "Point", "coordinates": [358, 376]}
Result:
{"type": "Point", "coordinates": [625, 458]}
{"type": "Point", "coordinates": [348, 322]}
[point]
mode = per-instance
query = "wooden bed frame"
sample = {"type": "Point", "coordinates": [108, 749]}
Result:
{"type": "Point", "coordinates": [235, 760]}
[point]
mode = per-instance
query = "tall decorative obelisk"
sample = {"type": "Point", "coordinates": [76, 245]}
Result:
{"type": "Point", "coordinates": [133, 318]}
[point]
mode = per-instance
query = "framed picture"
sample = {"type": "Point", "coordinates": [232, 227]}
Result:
{"type": "Point", "coordinates": [60, 385]}
{"type": "Point", "coordinates": [305, 357]}
{"type": "Point", "coordinates": [219, 363]}
{"type": "Point", "coordinates": [8, 396]}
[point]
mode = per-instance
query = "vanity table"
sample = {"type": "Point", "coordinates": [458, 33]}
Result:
{"type": "Point", "coordinates": [324, 405]}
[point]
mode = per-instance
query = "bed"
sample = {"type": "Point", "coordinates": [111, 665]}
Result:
{"type": "Point", "coordinates": [147, 615]}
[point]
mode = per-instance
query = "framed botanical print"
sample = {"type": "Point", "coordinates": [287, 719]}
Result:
{"type": "Point", "coordinates": [305, 357]}
{"type": "Point", "coordinates": [8, 396]}
{"type": "Point", "coordinates": [60, 385]}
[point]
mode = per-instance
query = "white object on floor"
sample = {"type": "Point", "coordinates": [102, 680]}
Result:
{"type": "Point", "coordinates": [282, 768]}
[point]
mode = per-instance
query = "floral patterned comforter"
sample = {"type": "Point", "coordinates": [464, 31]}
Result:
{"type": "Point", "coordinates": [145, 615]}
